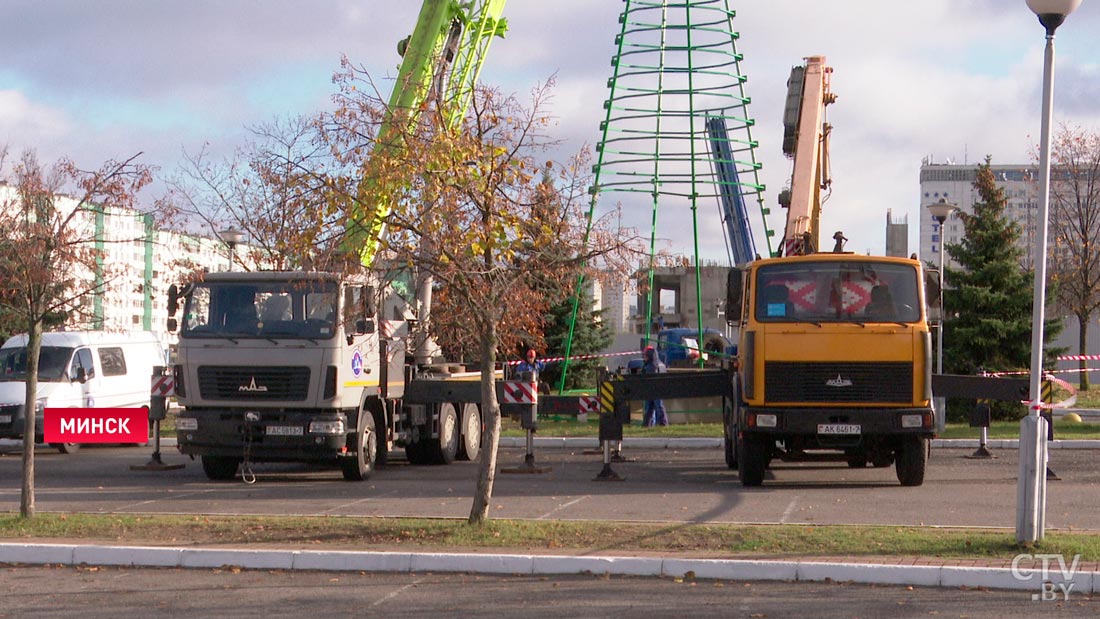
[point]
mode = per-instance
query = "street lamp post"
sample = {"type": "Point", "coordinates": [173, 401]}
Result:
{"type": "Point", "coordinates": [1031, 489]}
{"type": "Point", "coordinates": [231, 237]}
{"type": "Point", "coordinates": [940, 211]}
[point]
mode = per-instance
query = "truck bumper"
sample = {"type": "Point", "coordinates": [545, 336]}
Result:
{"type": "Point", "coordinates": [272, 436]}
{"type": "Point", "coordinates": [836, 428]}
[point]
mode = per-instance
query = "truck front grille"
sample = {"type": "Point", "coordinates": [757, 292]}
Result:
{"type": "Point", "coordinates": [257, 383]}
{"type": "Point", "coordinates": [857, 383]}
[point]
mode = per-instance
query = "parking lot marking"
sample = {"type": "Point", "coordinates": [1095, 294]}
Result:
{"type": "Point", "coordinates": [398, 591]}
{"type": "Point", "coordinates": [561, 507]}
{"type": "Point", "coordinates": [787, 512]}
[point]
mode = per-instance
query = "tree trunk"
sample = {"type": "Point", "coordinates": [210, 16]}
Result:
{"type": "Point", "coordinates": [1083, 345]}
{"type": "Point", "coordinates": [34, 348]}
{"type": "Point", "coordinates": [490, 415]}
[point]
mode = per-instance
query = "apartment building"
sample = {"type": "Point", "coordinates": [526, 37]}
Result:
{"type": "Point", "coordinates": [137, 263]}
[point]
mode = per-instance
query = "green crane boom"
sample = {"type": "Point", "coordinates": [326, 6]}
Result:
{"type": "Point", "coordinates": [441, 62]}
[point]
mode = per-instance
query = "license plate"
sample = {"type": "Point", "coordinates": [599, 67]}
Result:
{"type": "Point", "coordinates": [838, 428]}
{"type": "Point", "coordinates": [5, 418]}
{"type": "Point", "coordinates": [283, 430]}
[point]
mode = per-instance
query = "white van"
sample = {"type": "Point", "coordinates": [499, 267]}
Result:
{"type": "Point", "coordinates": [77, 369]}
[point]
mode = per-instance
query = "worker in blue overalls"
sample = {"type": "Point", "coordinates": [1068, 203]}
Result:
{"type": "Point", "coordinates": [655, 414]}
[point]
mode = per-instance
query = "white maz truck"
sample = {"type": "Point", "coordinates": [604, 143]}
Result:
{"type": "Point", "coordinates": [77, 369]}
{"type": "Point", "coordinates": [290, 367]}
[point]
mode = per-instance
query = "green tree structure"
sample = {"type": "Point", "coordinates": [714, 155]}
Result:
{"type": "Point", "coordinates": [989, 300]}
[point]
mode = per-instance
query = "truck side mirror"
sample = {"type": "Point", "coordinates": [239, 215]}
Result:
{"type": "Point", "coordinates": [933, 288]}
{"type": "Point", "coordinates": [173, 299]}
{"type": "Point", "coordinates": [734, 288]}
{"type": "Point", "coordinates": [364, 326]}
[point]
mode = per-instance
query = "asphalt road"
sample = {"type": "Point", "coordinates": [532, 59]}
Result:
{"type": "Point", "coordinates": [690, 485]}
{"type": "Point", "coordinates": [108, 593]}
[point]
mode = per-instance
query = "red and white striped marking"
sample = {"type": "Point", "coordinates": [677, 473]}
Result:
{"type": "Point", "coordinates": [519, 392]}
{"type": "Point", "coordinates": [163, 386]}
{"type": "Point", "coordinates": [1079, 358]}
{"type": "Point", "coordinates": [589, 404]}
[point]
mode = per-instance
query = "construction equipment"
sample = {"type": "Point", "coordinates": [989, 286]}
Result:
{"type": "Point", "coordinates": [300, 366]}
{"type": "Point", "coordinates": [834, 353]}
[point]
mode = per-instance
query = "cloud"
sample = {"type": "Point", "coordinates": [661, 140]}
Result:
{"type": "Point", "coordinates": [24, 124]}
{"type": "Point", "coordinates": [953, 79]}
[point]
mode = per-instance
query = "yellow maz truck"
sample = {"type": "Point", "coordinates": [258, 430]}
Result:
{"type": "Point", "coordinates": [833, 362]}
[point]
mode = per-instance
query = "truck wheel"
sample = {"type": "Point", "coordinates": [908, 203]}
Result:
{"type": "Point", "coordinates": [220, 468]}
{"type": "Point", "coordinates": [752, 459]}
{"type": "Point", "coordinates": [360, 467]}
{"type": "Point", "coordinates": [729, 443]}
{"type": "Point", "coordinates": [66, 448]}
{"type": "Point", "coordinates": [442, 450]}
{"type": "Point", "coordinates": [912, 460]}
{"type": "Point", "coordinates": [469, 448]}
{"type": "Point", "coordinates": [381, 443]}
{"type": "Point", "coordinates": [417, 453]}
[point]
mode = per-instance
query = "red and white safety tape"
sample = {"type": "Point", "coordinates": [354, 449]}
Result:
{"type": "Point", "coordinates": [1079, 358]}
{"type": "Point", "coordinates": [1066, 403]}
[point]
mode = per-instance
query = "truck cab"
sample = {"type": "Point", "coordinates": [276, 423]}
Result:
{"type": "Point", "coordinates": [280, 366]}
{"type": "Point", "coordinates": [834, 358]}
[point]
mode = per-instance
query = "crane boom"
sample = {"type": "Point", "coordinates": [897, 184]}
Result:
{"type": "Point", "coordinates": [805, 139]}
{"type": "Point", "coordinates": [441, 62]}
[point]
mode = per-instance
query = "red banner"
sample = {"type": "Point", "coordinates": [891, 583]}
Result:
{"type": "Point", "coordinates": [96, 425]}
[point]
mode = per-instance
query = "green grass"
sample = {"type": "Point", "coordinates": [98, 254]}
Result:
{"type": "Point", "coordinates": [1011, 429]}
{"type": "Point", "coordinates": [712, 540]}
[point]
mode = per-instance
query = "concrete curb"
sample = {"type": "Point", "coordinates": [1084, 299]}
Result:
{"type": "Point", "coordinates": [718, 569]}
{"type": "Point", "coordinates": [557, 442]}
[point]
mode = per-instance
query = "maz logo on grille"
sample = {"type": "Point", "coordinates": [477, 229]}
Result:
{"type": "Point", "coordinates": [838, 382]}
{"type": "Point", "coordinates": [252, 386]}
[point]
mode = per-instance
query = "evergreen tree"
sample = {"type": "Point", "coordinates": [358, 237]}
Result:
{"type": "Point", "coordinates": [590, 336]}
{"type": "Point", "coordinates": [989, 300]}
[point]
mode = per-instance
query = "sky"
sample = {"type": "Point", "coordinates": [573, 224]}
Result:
{"type": "Point", "coordinates": [948, 80]}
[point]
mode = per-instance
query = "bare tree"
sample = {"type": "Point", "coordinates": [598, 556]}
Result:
{"type": "Point", "coordinates": [47, 246]}
{"type": "Point", "coordinates": [272, 189]}
{"type": "Point", "coordinates": [1075, 229]}
{"type": "Point", "coordinates": [466, 208]}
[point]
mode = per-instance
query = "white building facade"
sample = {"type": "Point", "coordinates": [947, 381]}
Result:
{"type": "Point", "coordinates": [135, 266]}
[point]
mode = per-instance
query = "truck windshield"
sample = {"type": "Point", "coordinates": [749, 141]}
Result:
{"type": "Point", "coordinates": [851, 291]}
{"type": "Point", "coordinates": [53, 363]}
{"type": "Point", "coordinates": [295, 310]}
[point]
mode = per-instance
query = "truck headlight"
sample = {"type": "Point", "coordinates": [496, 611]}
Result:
{"type": "Point", "coordinates": [187, 423]}
{"type": "Point", "coordinates": [40, 407]}
{"type": "Point", "coordinates": [335, 426]}
{"type": "Point", "coordinates": [765, 421]}
{"type": "Point", "coordinates": [912, 421]}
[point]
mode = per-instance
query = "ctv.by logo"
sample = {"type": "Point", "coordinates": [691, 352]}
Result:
{"type": "Point", "coordinates": [1049, 591]}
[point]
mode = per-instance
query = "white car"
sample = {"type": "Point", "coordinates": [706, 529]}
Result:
{"type": "Point", "coordinates": [77, 369]}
